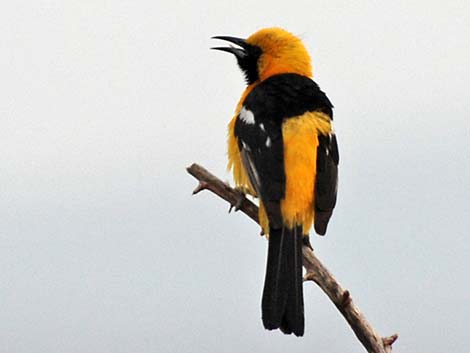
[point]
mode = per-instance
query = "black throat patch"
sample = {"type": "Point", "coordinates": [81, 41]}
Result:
{"type": "Point", "coordinates": [249, 63]}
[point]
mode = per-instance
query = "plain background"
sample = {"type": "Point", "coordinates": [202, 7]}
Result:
{"type": "Point", "coordinates": [103, 105]}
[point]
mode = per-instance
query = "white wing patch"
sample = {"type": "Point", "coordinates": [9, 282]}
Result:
{"type": "Point", "coordinates": [245, 146]}
{"type": "Point", "coordinates": [247, 116]}
{"type": "Point", "coordinates": [268, 142]}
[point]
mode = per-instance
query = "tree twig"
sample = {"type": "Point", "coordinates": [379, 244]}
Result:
{"type": "Point", "coordinates": [316, 271]}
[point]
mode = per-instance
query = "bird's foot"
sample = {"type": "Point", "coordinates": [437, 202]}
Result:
{"type": "Point", "coordinates": [306, 241]}
{"type": "Point", "coordinates": [239, 200]}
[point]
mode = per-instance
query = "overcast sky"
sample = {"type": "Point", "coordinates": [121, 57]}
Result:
{"type": "Point", "coordinates": [104, 104]}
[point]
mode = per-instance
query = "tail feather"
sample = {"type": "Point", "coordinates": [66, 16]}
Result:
{"type": "Point", "coordinates": [282, 303]}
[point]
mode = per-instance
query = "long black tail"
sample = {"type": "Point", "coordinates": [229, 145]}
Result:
{"type": "Point", "coordinates": [283, 303]}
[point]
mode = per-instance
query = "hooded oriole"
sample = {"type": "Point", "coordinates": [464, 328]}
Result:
{"type": "Point", "coordinates": [282, 149]}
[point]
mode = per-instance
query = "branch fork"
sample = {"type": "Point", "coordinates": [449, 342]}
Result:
{"type": "Point", "coordinates": [201, 186]}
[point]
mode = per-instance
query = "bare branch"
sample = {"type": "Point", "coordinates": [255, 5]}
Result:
{"type": "Point", "coordinates": [316, 271]}
{"type": "Point", "coordinates": [233, 197]}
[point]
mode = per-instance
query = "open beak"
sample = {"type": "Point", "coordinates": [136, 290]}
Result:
{"type": "Point", "coordinates": [238, 52]}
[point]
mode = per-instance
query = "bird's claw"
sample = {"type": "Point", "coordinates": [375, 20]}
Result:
{"type": "Point", "coordinates": [239, 201]}
{"type": "Point", "coordinates": [306, 241]}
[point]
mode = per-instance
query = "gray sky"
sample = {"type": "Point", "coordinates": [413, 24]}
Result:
{"type": "Point", "coordinates": [102, 247]}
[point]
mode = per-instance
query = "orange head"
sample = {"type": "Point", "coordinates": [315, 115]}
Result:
{"type": "Point", "coordinates": [268, 52]}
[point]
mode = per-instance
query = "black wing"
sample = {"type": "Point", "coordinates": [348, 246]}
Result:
{"type": "Point", "coordinates": [264, 165]}
{"type": "Point", "coordinates": [259, 131]}
{"type": "Point", "coordinates": [326, 182]}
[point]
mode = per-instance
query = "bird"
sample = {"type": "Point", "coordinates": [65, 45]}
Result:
{"type": "Point", "coordinates": [282, 149]}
